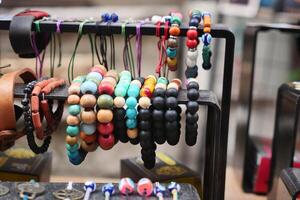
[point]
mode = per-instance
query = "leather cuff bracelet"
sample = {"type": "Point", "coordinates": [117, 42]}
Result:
{"type": "Point", "coordinates": [20, 34]}
{"type": "Point", "coordinates": [8, 111]}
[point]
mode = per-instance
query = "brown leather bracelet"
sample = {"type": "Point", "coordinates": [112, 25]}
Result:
{"type": "Point", "coordinates": [8, 132]}
{"type": "Point", "coordinates": [45, 87]}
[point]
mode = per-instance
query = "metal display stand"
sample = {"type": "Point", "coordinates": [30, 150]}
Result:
{"type": "Point", "coordinates": [215, 154]}
{"type": "Point", "coordinates": [244, 141]}
{"type": "Point", "coordinates": [285, 132]}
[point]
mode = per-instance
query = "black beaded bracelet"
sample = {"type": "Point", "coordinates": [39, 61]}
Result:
{"type": "Point", "coordinates": [192, 107]}
{"type": "Point", "coordinates": [29, 125]}
{"type": "Point", "coordinates": [120, 130]}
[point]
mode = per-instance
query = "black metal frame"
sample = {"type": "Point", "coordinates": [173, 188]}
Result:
{"type": "Point", "coordinates": [285, 132]}
{"type": "Point", "coordinates": [218, 118]}
{"type": "Point", "coordinates": [246, 90]}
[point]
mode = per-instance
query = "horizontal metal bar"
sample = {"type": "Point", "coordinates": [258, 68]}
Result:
{"type": "Point", "coordinates": [270, 26]}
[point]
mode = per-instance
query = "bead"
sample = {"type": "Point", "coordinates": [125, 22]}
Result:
{"type": "Point", "coordinates": [126, 186]}
{"type": "Point", "coordinates": [88, 138]}
{"type": "Point", "coordinates": [95, 77]}
{"type": "Point", "coordinates": [195, 13]}
{"type": "Point", "coordinates": [191, 43]}
{"type": "Point", "coordinates": [25, 102]}
{"type": "Point", "coordinates": [171, 115]}
{"type": "Point", "coordinates": [125, 73]}
{"type": "Point", "coordinates": [113, 73]}
{"type": "Point", "coordinates": [132, 133]}
{"type": "Point", "coordinates": [172, 42]}
{"type": "Point", "coordinates": [144, 114]}
{"type": "Point", "coordinates": [136, 82]}
{"type": "Point", "coordinates": [119, 102]}
{"type": "Point", "coordinates": [120, 91]}
{"type": "Point", "coordinates": [192, 84]}
{"type": "Point", "coordinates": [190, 62]}
{"type": "Point", "coordinates": [104, 116]}
{"type": "Point", "coordinates": [194, 22]}
{"type": "Point", "coordinates": [172, 125]}
{"type": "Point", "coordinates": [105, 101]}
{"type": "Point", "coordinates": [207, 30]}
{"type": "Point", "coordinates": [192, 128]}
{"type": "Point", "coordinates": [171, 52]}
{"type": "Point", "coordinates": [88, 117]}
{"type": "Point", "coordinates": [206, 39]}
{"type": "Point", "coordinates": [119, 113]}
{"type": "Point", "coordinates": [73, 99]}
{"type": "Point", "coordinates": [191, 118]}
{"type": "Point", "coordinates": [192, 107]}
{"type": "Point", "coordinates": [99, 70]}
{"type": "Point", "coordinates": [88, 101]}
{"type": "Point", "coordinates": [114, 17]}
{"type": "Point", "coordinates": [160, 86]}
{"type": "Point", "coordinates": [71, 140]}
{"type": "Point", "coordinates": [131, 113]}
{"type": "Point", "coordinates": [133, 91]}
{"type": "Point", "coordinates": [89, 147]}
{"type": "Point", "coordinates": [78, 79]}
{"type": "Point", "coordinates": [174, 30]}
{"type": "Point", "coordinates": [144, 125]}
{"type": "Point", "coordinates": [171, 61]}
{"type": "Point", "coordinates": [105, 17]}
{"type": "Point", "coordinates": [106, 142]}
{"type": "Point", "coordinates": [173, 86]}
{"type": "Point", "coordinates": [193, 94]}
{"type": "Point", "coordinates": [159, 92]}
{"type": "Point", "coordinates": [106, 88]}
{"type": "Point", "coordinates": [72, 147]}
{"type": "Point", "coordinates": [74, 109]}
{"type": "Point", "coordinates": [131, 102]}
{"type": "Point", "coordinates": [176, 20]}
{"type": "Point", "coordinates": [74, 89]}
{"type": "Point", "coordinates": [72, 130]}
{"type": "Point", "coordinates": [192, 54]}
{"type": "Point", "coordinates": [191, 72]}
{"type": "Point", "coordinates": [131, 123]}
{"type": "Point", "coordinates": [145, 102]}
{"type": "Point", "coordinates": [88, 129]}
{"type": "Point", "coordinates": [158, 115]}
{"type": "Point", "coordinates": [88, 87]}
{"type": "Point", "coordinates": [171, 102]}
{"type": "Point", "coordinates": [155, 19]}
{"type": "Point", "coordinates": [73, 120]}
{"type": "Point", "coordinates": [192, 34]}
{"type": "Point", "coordinates": [158, 102]}
{"type": "Point", "coordinates": [105, 129]}
{"type": "Point", "coordinates": [144, 187]}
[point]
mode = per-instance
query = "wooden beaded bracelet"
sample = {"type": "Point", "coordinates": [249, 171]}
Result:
{"type": "Point", "coordinates": [106, 138]}
{"type": "Point", "coordinates": [158, 113]}
{"type": "Point", "coordinates": [173, 111]}
{"type": "Point", "coordinates": [144, 116]}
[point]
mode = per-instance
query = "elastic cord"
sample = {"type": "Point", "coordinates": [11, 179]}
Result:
{"type": "Point", "coordinates": [138, 46]}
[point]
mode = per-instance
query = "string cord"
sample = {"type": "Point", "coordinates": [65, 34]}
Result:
{"type": "Point", "coordinates": [138, 46]}
{"type": "Point", "coordinates": [127, 51]}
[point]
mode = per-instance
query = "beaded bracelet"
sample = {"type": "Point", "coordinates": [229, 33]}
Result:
{"type": "Point", "coordinates": [29, 125]}
{"type": "Point", "coordinates": [105, 103]}
{"type": "Point", "coordinates": [192, 43]}
{"type": "Point", "coordinates": [145, 134]}
{"type": "Point", "coordinates": [206, 39]}
{"type": "Point", "coordinates": [76, 156]}
{"type": "Point", "coordinates": [172, 114]}
{"type": "Point", "coordinates": [174, 31]}
{"type": "Point", "coordinates": [158, 113]}
{"type": "Point", "coordinates": [88, 115]}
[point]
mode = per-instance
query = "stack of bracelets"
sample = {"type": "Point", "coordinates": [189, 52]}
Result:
{"type": "Point", "coordinates": [33, 116]}
{"type": "Point", "coordinates": [191, 73]}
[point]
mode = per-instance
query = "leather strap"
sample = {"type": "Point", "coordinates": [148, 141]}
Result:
{"type": "Point", "coordinates": [8, 133]}
{"type": "Point", "coordinates": [20, 34]}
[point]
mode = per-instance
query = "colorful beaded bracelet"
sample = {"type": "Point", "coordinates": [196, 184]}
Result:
{"type": "Point", "coordinates": [106, 138]}
{"type": "Point", "coordinates": [172, 114]}
{"type": "Point", "coordinates": [158, 113]}
{"type": "Point", "coordinates": [206, 39]}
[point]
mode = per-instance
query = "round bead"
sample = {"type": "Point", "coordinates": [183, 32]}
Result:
{"type": "Point", "coordinates": [155, 19]}
{"type": "Point", "coordinates": [72, 148]}
{"type": "Point", "coordinates": [113, 73]}
{"type": "Point", "coordinates": [172, 68]}
{"type": "Point", "coordinates": [174, 30]}
{"type": "Point", "coordinates": [73, 120]}
{"type": "Point", "coordinates": [105, 129]}
{"type": "Point", "coordinates": [120, 91]}
{"type": "Point", "coordinates": [172, 42]}
{"type": "Point", "coordinates": [88, 138]}
{"type": "Point", "coordinates": [88, 117]}
{"type": "Point", "coordinates": [192, 54]}
{"type": "Point", "coordinates": [144, 114]}
{"type": "Point", "coordinates": [192, 84]}
{"type": "Point", "coordinates": [89, 147]}
{"type": "Point", "coordinates": [132, 133]}
{"type": "Point", "coordinates": [144, 125]}
{"type": "Point", "coordinates": [131, 123]}
{"type": "Point", "coordinates": [88, 129]}
{"type": "Point", "coordinates": [172, 61]}
{"type": "Point", "coordinates": [133, 91]}
{"type": "Point", "coordinates": [131, 102]}
{"type": "Point", "coordinates": [193, 94]}
{"type": "Point", "coordinates": [73, 99]}
{"type": "Point", "coordinates": [162, 80]}
{"type": "Point", "coordinates": [131, 113]}
{"type": "Point", "coordinates": [176, 20]}
{"type": "Point", "coordinates": [144, 187]}
{"type": "Point", "coordinates": [171, 92]}
{"type": "Point", "coordinates": [71, 140]}
{"type": "Point", "coordinates": [172, 85]}
{"type": "Point", "coordinates": [136, 82]}
{"type": "Point", "coordinates": [171, 115]}
{"type": "Point", "coordinates": [192, 34]}
{"type": "Point", "coordinates": [106, 142]}
{"type": "Point", "coordinates": [105, 101]}
{"type": "Point", "coordinates": [126, 186]}
{"type": "Point", "coordinates": [171, 52]}
{"type": "Point", "coordinates": [125, 73]}
{"type": "Point", "coordinates": [207, 30]}
{"type": "Point", "coordinates": [158, 102]}
{"type": "Point", "coordinates": [191, 62]}
{"type": "Point", "coordinates": [161, 86]}
{"type": "Point", "coordinates": [106, 88]}
{"type": "Point", "coordinates": [194, 22]}
{"type": "Point", "coordinates": [100, 67]}
{"type": "Point", "coordinates": [119, 102]}
{"type": "Point", "coordinates": [78, 79]}
{"type": "Point", "coordinates": [72, 130]}
{"type": "Point", "coordinates": [99, 70]}
{"type": "Point", "coordinates": [145, 102]}
{"type": "Point", "coordinates": [88, 101]}
{"type": "Point", "coordinates": [88, 87]}
{"type": "Point", "coordinates": [192, 118]}
{"type": "Point", "coordinates": [191, 43]}
{"type": "Point", "coordinates": [206, 39]}
{"type": "Point", "coordinates": [74, 109]}
{"type": "Point", "coordinates": [119, 114]}
{"type": "Point", "coordinates": [104, 116]}
{"type": "Point", "coordinates": [191, 72]}
{"type": "Point", "coordinates": [95, 77]}
{"type": "Point", "coordinates": [74, 89]}
{"type": "Point", "coordinates": [159, 92]}
{"type": "Point", "coordinates": [158, 115]}
{"type": "Point", "coordinates": [192, 107]}
{"type": "Point", "coordinates": [171, 102]}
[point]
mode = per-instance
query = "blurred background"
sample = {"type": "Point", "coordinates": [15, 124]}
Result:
{"type": "Point", "coordinates": [276, 62]}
